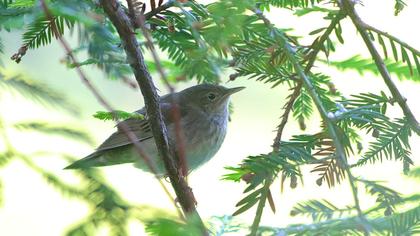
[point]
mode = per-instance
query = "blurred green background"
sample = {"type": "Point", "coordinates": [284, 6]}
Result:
{"type": "Point", "coordinates": [32, 207]}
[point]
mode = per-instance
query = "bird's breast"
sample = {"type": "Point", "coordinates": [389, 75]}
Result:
{"type": "Point", "coordinates": [203, 137]}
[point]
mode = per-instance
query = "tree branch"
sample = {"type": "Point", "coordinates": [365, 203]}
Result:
{"type": "Point", "coordinates": [159, 9]}
{"type": "Point", "coordinates": [399, 41]}
{"type": "Point", "coordinates": [316, 48]}
{"type": "Point", "coordinates": [348, 7]}
{"type": "Point", "coordinates": [340, 151]}
{"type": "Point", "coordinates": [179, 137]}
{"type": "Point", "coordinates": [130, 135]}
{"type": "Point", "coordinates": [135, 58]}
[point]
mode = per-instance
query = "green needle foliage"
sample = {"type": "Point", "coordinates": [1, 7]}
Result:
{"type": "Point", "coordinates": [36, 91]}
{"type": "Point", "coordinates": [117, 115]}
{"type": "Point", "coordinates": [201, 42]}
{"type": "Point", "coordinates": [62, 130]}
{"type": "Point", "coordinates": [363, 66]}
{"type": "Point", "coordinates": [107, 208]}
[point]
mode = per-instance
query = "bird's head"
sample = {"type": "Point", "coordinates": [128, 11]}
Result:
{"type": "Point", "coordinates": [210, 98]}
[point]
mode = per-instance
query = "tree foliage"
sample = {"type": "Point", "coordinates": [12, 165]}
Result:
{"type": "Point", "coordinates": [201, 42]}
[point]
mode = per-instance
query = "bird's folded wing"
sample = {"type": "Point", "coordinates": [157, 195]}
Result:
{"type": "Point", "coordinates": [141, 129]}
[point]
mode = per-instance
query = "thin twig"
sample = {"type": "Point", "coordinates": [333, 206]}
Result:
{"type": "Point", "coordinates": [287, 109]}
{"type": "Point", "coordinates": [122, 23]}
{"type": "Point", "coordinates": [130, 135]}
{"type": "Point", "coordinates": [348, 7]}
{"type": "Point", "coordinates": [315, 49]}
{"type": "Point", "coordinates": [340, 151]}
{"type": "Point", "coordinates": [390, 36]}
{"type": "Point", "coordinates": [159, 9]}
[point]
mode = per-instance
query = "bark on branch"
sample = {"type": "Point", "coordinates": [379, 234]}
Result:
{"type": "Point", "coordinates": [135, 58]}
{"type": "Point", "coordinates": [348, 7]}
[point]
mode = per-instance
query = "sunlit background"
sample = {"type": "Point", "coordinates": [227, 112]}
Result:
{"type": "Point", "coordinates": [32, 207]}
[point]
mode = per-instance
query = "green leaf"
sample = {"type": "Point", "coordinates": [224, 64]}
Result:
{"type": "Point", "coordinates": [168, 227]}
{"type": "Point", "coordinates": [22, 3]}
{"type": "Point", "coordinates": [246, 205]}
{"type": "Point", "coordinates": [394, 49]}
{"type": "Point", "coordinates": [382, 43]}
{"type": "Point", "coordinates": [338, 32]}
{"type": "Point", "coordinates": [416, 60]}
{"type": "Point", "coordinates": [250, 197]}
{"type": "Point", "coordinates": [406, 59]}
{"type": "Point", "coordinates": [117, 115]}
{"type": "Point", "coordinates": [399, 6]}
{"type": "Point", "coordinates": [317, 31]}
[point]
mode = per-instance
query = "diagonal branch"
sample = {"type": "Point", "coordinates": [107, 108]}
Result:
{"type": "Point", "coordinates": [130, 135]}
{"type": "Point", "coordinates": [159, 9]}
{"type": "Point", "coordinates": [179, 137]}
{"type": "Point", "coordinates": [135, 58]}
{"type": "Point", "coordinates": [316, 48]}
{"type": "Point", "coordinates": [332, 129]}
{"type": "Point", "coordinates": [399, 41]}
{"type": "Point", "coordinates": [348, 7]}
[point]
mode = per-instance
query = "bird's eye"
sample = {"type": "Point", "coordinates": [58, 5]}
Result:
{"type": "Point", "coordinates": [211, 96]}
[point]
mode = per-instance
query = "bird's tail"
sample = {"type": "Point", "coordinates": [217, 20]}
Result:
{"type": "Point", "coordinates": [93, 160]}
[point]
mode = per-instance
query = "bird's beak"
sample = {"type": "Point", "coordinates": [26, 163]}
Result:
{"type": "Point", "coordinates": [234, 90]}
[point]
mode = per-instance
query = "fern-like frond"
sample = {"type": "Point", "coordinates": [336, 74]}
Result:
{"type": "Point", "coordinates": [22, 3]}
{"type": "Point", "coordinates": [401, 51]}
{"type": "Point", "coordinates": [392, 143]}
{"type": "Point", "coordinates": [168, 227]}
{"type": "Point", "coordinates": [329, 171]}
{"type": "Point", "coordinates": [373, 101]}
{"type": "Point", "coordinates": [385, 197]}
{"type": "Point", "coordinates": [40, 32]}
{"type": "Point", "coordinates": [290, 4]}
{"type": "Point", "coordinates": [62, 130]}
{"type": "Point", "coordinates": [403, 223]}
{"type": "Point", "coordinates": [362, 66]}
{"type": "Point", "coordinates": [52, 179]}
{"type": "Point", "coordinates": [258, 171]}
{"type": "Point", "coordinates": [37, 92]}
{"type": "Point", "coordinates": [185, 53]}
{"type": "Point", "coordinates": [117, 115]}
{"type": "Point", "coordinates": [221, 225]}
{"type": "Point", "coordinates": [303, 106]}
{"type": "Point", "coordinates": [320, 210]}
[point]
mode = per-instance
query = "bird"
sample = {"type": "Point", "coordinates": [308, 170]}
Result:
{"type": "Point", "coordinates": [204, 114]}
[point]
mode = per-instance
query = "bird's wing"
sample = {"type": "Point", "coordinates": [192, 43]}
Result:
{"type": "Point", "coordinates": [141, 128]}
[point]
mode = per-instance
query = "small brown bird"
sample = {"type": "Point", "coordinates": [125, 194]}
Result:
{"type": "Point", "coordinates": [204, 117]}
